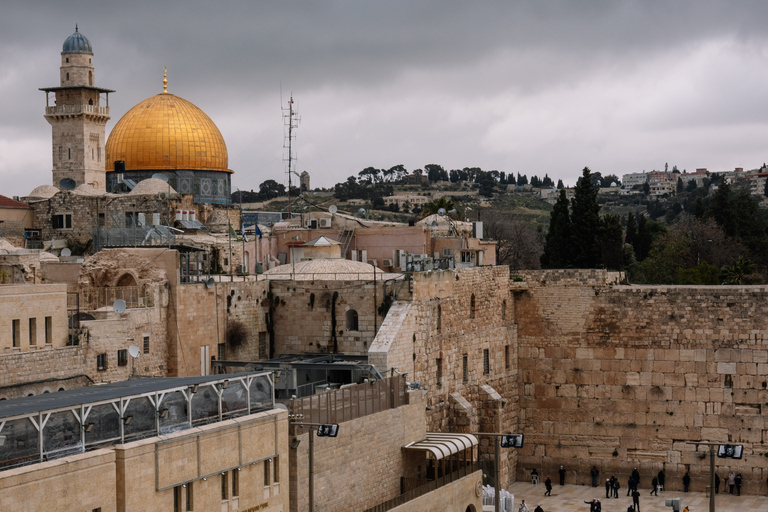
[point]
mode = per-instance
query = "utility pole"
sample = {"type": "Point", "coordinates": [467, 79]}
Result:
{"type": "Point", "coordinates": [291, 119]}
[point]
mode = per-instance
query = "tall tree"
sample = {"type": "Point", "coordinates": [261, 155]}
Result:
{"type": "Point", "coordinates": [557, 245]}
{"type": "Point", "coordinates": [560, 185]}
{"type": "Point", "coordinates": [585, 222]}
{"type": "Point", "coordinates": [631, 229]}
{"type": "Point", "coordinates": [610, 240]}
{"type": "Point", "coordinates": [643, 239]}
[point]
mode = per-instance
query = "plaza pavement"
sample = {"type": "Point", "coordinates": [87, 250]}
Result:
{"type": "Point", "coordinates": [571, 498]}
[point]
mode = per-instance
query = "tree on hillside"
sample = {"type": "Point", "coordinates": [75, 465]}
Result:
{"type": "Point", "coordinates": [518, 244]}
{"type": "Point", "coordinates": [610, 240]}
{"type": "Point", "coordinates": [558, 243]}
{"type": "Point", "coordinates": [631, 231]}
{"type": "Point", "coordinates": [433, 206]}
{"type": "Point", "coordinates": [271, 189]}
{"type": "Point", "coordinates": [560, 185]}
{"type": "Point", "coordinates": [435, 173]}
{"type": "Point", "coordinates": [680, 186]}
{"type": "Point", "coordinates": [585, 222]}
{"type": "Point", "coordinates": [642, 242]}
{"type": "Point", "coordinates": [740, 272]}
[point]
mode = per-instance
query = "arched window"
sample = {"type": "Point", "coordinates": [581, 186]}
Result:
{"type": "Point", "coordinates": [472, 306]}
{"type": "Point", "coordinates": [504, 310]}
{"type": "Point", "coordinates": [352, 320]}
{"type": "Point", "coordinates": [90, 102]}
{"type": "Point", "coordinates": [439, 317]}
{"type": "Point", "coordinates": [126, 280]}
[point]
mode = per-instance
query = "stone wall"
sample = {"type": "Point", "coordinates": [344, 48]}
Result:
{"type": "Point", "coordinates": [38, 371]}
{"type": "Point", "coordinates": [432, 352]}
{"type": "Point", "coordinates": [362, 466]}
{"type": "Point", "coordinates": [323, 307]}
{"type": "Point", "coordinates": [37, 302]}
{"type": "Point", "coordinates": [460, 496]}
{"type": "Point", "coordinates": [625, 376]}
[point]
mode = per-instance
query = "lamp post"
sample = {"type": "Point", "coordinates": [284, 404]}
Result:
{"type": "Point", "coordinates": [323, 430]}
{"type": "Point", "coordinates": [725, 451]}
{"type": "Point", "coordinates": [506, 441]}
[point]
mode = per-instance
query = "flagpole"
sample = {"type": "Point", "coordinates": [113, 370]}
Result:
{"type": "Point", "coordinates": [242, 227]}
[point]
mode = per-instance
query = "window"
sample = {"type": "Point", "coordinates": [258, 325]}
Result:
{"type": "Point", "coordinates": [472, 306]}
{"type": "Point", "coordinates": [506, 357]}
{"type": "Point", "coordinates": [224, 489]}
{"type": "Point", "coordinates": [446, 252]}
{"type": "Point", "coordinates": [352, 320]}
{"type": "Point", "coordinates": [235, 483]}
{"type": "Point", "coordinates": [464, 368]}
{"type": "Point", "coordinates": [190, 496]}
{"type": "Point", "coordinates": [16, 333]}
{"type": "Point", "coordinates": [62, 221]}
{"type": "Point", "coordinates": [266, 472]}
{"type": "Point", "coordinates": [439, 317]}
{"type": "Point", "coordinates": [277, 470]}
{"type": "Point", "coordinates": [504, 310]}
{"type": "Point", "coordinates": [122, 357]}
{"type": "Point", "coordinates": [67, 75]}
{"type": "Point", "coordinates": [128, 219]}
{"type": "Point", "coordinates": [101, 362]}
{"type": "Point", "coordinates": [48, 330]}
{"type": "Point", "coordinates": [69, 153]}
{"type": "Point", "coordinates": [486, 362]}
{"type": "Point", "coordinates": [439, 371]}
{"type": "Point", "coordinates": [146, 344]}
{"type": "Point", "coordinates": [177, 499]}
{"type": "Point", "coordinates": [32, 332]}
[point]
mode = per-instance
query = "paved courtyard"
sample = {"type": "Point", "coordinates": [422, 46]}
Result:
{"type": "Point", "coordinates": [571, 498]}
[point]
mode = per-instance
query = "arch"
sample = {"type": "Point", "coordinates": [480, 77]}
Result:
{"type": "Point", "coordinates": [472, 306]}
{"type": "Point", "coordinates": [90, 102]}
{"type": "Point", "coordinates": [352, 324]}
{"type": "Point", "coordinates": [471, 508]}
{"type": "Point", "coordinates": [126, 279]}
{"type": "Point", "coordinates": [62, 389]}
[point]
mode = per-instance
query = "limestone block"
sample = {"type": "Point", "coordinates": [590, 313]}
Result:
{"type": "Point", "coordinates": [726, 368]}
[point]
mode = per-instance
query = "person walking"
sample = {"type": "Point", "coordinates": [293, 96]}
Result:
{"type": "Point", "coordinates": [630, 484]}
{"type": "Point", "coordinates": [686, 481]}
{"type": "Point", "coordinates": [562, 475]}
{"type": "Point", "coordinates": [636, 500]}
{"type": "Point", "coordinates": [731, 482]}
{"type": "Point", "coordinates": [523, 507]}
{"type": "Point", "coordinates": [738, 484]}
{"type": "Point", "coordinates": [655, 486]}
{"type": "Point", "coordinates": [594, 472]}
{"type": "Point", "coordinates": [616, 487]}
{"type": "Point", "coordinates": [662, 477]}
{"type": "Point", "coordinates": [717, 483]}
{"type": "Point", "coordinates": [548, 485]}
{"type": "Point", "coordinates": [538, 508]}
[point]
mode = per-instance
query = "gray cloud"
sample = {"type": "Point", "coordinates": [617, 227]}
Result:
{"type": "Point", "coordinates": [529, 87]}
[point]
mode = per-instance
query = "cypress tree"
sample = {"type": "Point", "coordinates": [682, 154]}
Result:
{"type": "Point", "coordinates": [631, 229]}
{"type": "Point", "coordinates": [557, 247]}
{"type": "Point", "coordinates": [585, 222]}
{"type": "Point", "coordinates": [643, 239]}
{"type": "Point", "coordinates": [611, 246]}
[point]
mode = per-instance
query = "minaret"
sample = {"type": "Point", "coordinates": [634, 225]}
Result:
{"type": "Point", "coordinates": [77, 118]}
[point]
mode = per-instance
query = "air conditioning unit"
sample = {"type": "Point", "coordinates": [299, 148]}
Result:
{"type": "Point", "coordinates": [325, 223]}
{"type": "Point", "coordinates": [446, 251]}
{"type": "Point", "coordinates": [386, 263]}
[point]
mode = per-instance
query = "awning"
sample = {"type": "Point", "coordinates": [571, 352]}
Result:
{"type": "Point", "coordinates": [443, 445]}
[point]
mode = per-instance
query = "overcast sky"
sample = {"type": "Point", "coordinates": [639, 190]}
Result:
{"type": "Point", "coordinates": [533, 87]}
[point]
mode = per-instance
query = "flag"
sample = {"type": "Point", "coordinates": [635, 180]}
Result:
{"type": "Point", "coordinates": [245, 238]}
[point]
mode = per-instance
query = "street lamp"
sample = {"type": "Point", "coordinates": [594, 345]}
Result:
{"type": "Point", "coordinates": [508, 440]}
{"type": "Point", "coordinates": [724, 451]}
{"type": "Point", "coordinates": [323, 430]}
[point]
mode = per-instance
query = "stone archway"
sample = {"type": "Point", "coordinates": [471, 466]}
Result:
{"type": "Point", "coordinates": [126, 279]}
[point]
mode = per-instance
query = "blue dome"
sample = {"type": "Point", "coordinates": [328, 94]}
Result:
{"type": "Point", "coordinates": [77, 43]}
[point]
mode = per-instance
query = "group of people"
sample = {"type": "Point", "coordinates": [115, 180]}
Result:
{"type": "Point", "coordinates": [524, 508]}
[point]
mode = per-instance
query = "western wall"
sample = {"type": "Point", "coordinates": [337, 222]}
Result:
{"type": "Point", "coordinates": [623, 376]}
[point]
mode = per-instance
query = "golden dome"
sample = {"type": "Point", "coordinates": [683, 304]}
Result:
{"type": "Point", "coordinates": [166, 132]}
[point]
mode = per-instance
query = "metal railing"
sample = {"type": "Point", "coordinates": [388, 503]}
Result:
{"type": "Point", "coordinates": [351, 403]}
{"type": "Point", "coordinates": [133, 296]}
{"type": "Point", "coordinates": [427, 488]}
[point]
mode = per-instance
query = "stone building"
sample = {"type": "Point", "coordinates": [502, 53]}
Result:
{"type": "Point", "coordinates": [78, 118]}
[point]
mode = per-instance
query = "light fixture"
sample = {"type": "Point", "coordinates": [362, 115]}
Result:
{"type": "Point", "coordinates": [127, 420]}
{"type": "Point", "coordinates": [225, 384]}
{"type": "Point", "coordinates": [205, 479]}
{"type": "Point", "coordinates": [194, 388]}
{"type": "Point", "coordinates": [88, 427]}
{"type": "Point", "coordinates": [239, 469]}
{"type": "Point", "coordinates": [163, 413]}
{"type": "Point", "coordinates": [295, 442]}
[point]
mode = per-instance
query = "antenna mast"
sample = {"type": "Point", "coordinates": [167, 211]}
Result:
{"type": "Point", "coordinates": [291, 120]}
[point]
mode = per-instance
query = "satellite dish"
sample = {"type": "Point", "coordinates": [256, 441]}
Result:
{"type": "Point", "coordinates": [209, 282]}
{"type": "Point", "coordinates": [66, 252]}
{"type": "Point", "coordinates": [332, 209]}
{"type": "Point", "coordinates": [441, 211]}
{"type": "Point", "coordinates": [361, 211]}
{"type": "Point", "coordinates": [160, 176]}
{"type": "Point", "coordinates": [453, 212]}
{"type": "Point", "coordinates": [134, 351]}
{"type": "Point", "coordinates": [119, 306]}
{"type": "Point", "coordinates": [67, 184]}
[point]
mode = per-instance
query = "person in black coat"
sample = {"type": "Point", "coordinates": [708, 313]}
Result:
{"type": "Point", "coordinates": [538, 509]}
{"type": "Point", "coordinates": [594, 472]}
{"type": "Point", "coordinates": [636, 476]}
{"type": "Point", "coordinates": [548, 485]}
{"type": "Point", "coordinates": [717, 483]}
{"type": "Point", "coordinates": [636, 500]}
{"type": "Point", "coordinates": [738, 484]}
{"type": "Point", "coordinates": [662, 477]}
{"type": "Point", "coordinates": [655, 486]}
{"type": "Point", "coordinates": [630, 486]}
{"type": "Point", "coordinates": [562, 475]}
{"type": "Point", "coordinates": [608, 484]}
{"type": "Point", "coordinates": [686, 481]}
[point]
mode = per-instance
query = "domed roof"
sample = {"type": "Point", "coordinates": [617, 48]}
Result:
{"type": "Point", "coordinates": [77, 43]}
{"type": "Point", "coordinates": [44, 192]}
{"type": "Point", "coordinates": [151, 186]}
{"type": "Point", "coordinates": [166, 132]}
